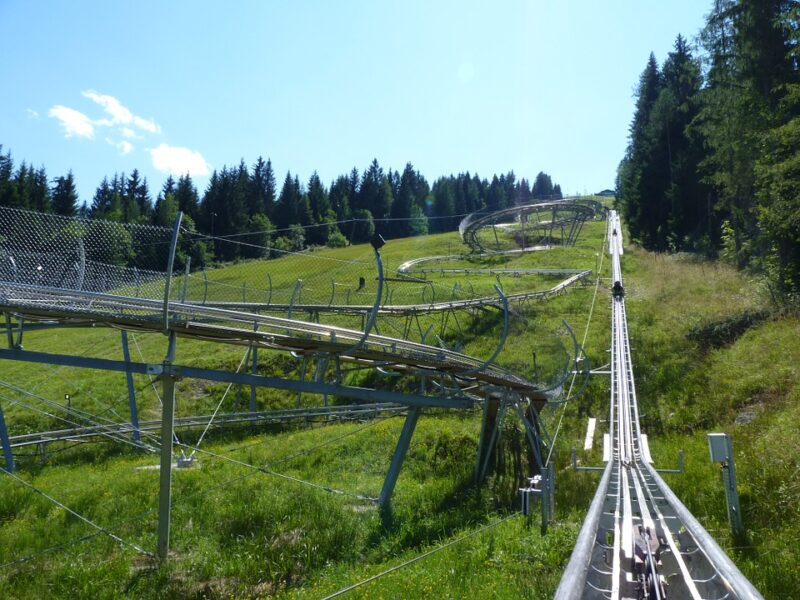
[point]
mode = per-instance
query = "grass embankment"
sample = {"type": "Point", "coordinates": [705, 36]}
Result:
{"type": "Point", "coordinates": [699, 368]}
{"type": "Point", "coordinates": [237, 531]}
{"type": "Point", "coordinates": [241, 533]}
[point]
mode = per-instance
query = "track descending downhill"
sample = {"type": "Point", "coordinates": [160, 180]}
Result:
{"type": "Point", "coordinates": [74, 272]}
{"type": "Point", "coordinates": [638, 540]}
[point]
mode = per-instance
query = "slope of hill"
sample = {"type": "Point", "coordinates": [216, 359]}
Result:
{"type": "Point", "coordinates": [239, 532]}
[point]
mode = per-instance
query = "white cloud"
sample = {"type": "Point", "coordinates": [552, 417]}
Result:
{"type": "Point", "coordinates": [72, 121]}
{"type": "Point", "coordinates": [146, 124]}
{"type": "Point", "coordinates": [32, 114]}
{"type": "Point", "coordinates": [119, 113]}
{"type": "Point", "coordinates": [124, 147]}
{"type": "Point", "coordinates": [129, 133]}
{"type": "Point", "coordinates": [177, 160]}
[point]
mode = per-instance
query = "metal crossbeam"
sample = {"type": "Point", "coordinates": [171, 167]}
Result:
{"type": "Point", "coordinates": [310, 387]}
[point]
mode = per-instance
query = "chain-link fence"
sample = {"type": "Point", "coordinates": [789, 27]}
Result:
{"type": "Point", "coordinates": [44, 258]}
{"type": "Point", "coordinates": [52, 265]}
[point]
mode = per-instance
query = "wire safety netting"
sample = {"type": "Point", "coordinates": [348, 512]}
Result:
{"type": "Point", "coordinates": [278, 279]}
{"type": "Point", "coordinates": [76, 264]}
{"type": "Point", "coordinates": [54, 264]}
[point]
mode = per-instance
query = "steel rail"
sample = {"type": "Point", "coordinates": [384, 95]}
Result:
{"type": "Point", "coordinates": [576, 275]}
{"type": "Point", "coordinates": [344, 412]}
{"type": "Point", "coordinates": [204, 322]}
{"type": "Point", "coordinates": [658, 546]}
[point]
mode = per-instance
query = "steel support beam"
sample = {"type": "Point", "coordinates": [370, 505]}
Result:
{"type": "Point", "coordinates": [488, 439]}
{"type": "Point", "coordinates": [131, 391]}
{"type": "Point", "coordinates": [6, 443]}
{"type": "Point", "coordinates": [399, 456]}
{"type": "Point", "coordinates": [310, 387]}
{"type": "Point", "coordinates": [254, 371]}
{"type": "Point", "coordinates": [167, 431]}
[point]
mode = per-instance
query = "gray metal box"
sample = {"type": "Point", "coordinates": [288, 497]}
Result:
{"type": "Point", "coordinates": [719, 445]}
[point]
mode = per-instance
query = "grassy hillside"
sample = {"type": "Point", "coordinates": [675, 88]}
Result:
{"type": "Point", "coordinates": [239, 532]}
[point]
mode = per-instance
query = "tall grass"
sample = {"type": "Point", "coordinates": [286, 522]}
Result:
{"type": "Point", "coordinates": [238, 532]}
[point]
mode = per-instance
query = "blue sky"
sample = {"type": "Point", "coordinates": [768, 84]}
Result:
{"type": "Point", "coordinates": [487, 87]}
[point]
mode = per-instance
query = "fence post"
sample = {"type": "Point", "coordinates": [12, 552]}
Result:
{"type": "Point", "coordinates": [171, 261]}
{"type": "Point", "coordinates": [377, 243]}
{"type": "Point", "coordinates": [721, 450]}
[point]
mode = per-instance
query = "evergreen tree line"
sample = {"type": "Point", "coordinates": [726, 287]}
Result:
{"type": "Point", "coordinates": [713, 160]}
{"type": "Point", "coordinates": [258, 218]}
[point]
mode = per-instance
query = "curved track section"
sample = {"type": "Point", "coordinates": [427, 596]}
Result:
{"type": "Point", "coordinates": [571, 277]}
{"type": "Point", "coordinates": [639, 540]}
{"type": "Point", "coordinates": [236, 327]}
{"type": "Point", "coordinates": [57, 272]}
{"type": "Point", "coordinates": [528, 227]}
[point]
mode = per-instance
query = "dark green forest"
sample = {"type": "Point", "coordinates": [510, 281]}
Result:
{"type": "Point", "coordinates": [713, 160]}
{"type": "Point", "coordinates": [268, 218]}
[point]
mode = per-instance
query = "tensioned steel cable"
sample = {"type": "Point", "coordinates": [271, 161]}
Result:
{"type": "Point", "coordinates": [152, 382]}
{"type": "Point", "coordinates": [372, 423]}
{"type": "Point", "coordinates": [316, 225]}
{"type": "Point", "coordinates": [104, 429]}
{"type": "Point", "coordinates": [420, 557]}
{"type": "Point", "coordinates": [583, 344]}
{"type": "Point", "coordinates": [268, 471]}
{"type": "Point", "coordinates": [225, 395]}
{"type": "Point", "coordinates": [185, 497]}
{"type": "Point", "coordinates": [92, 524]}
{"type": "Point", "coordinates": [58, 372]}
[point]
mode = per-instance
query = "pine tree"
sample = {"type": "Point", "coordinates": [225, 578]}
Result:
{"type": "Point", "coordinates": [636, 183]}
{"type": "Point", "coordinates": [443, 204]}
{"type": "Point", "coordinates": [130, 206]}
{"type": "Point", "coordinates": [320, 211]}
{"type": "Point", "coordinates": [542, 187]}
{"type": "Point", "coordinates": [496, 196]}
{"type": "Point", "coordinates": [524, 191]}
{"type": "Point", "coordinates": [21, 185]}
{"type": "Point", "coordinates": [778, 177]}
{"type": "Point", "coordinates": [187, 198]}
{"type": "Point", "coordinates": [472, 193]}
{"type": "Point", "coordinates": [40, 199]}
{"type": "Point", "coordinates": [8, 191]}
{"type": "Point", "coordinates": [261, 188]}
{"type": "Point", "coordinates": [353, 188]}
{"type": "Point", "coordinates": [286, 209]}
{"type": "Point", "coordinates": [339, 199]}
{"type": "Point", "coordinates": [403, 203]}
{"type": "Point", "coordinates": [168, 187]}
{"type": "Point", "coordinates": [65, 196]}
{"type": "Point", "coordinates": [101, 202]}
{"type": "Point", "coordinates": [370, 192]}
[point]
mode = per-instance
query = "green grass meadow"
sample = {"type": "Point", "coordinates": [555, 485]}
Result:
{"type": "Point", "coordinates": [239, 532]}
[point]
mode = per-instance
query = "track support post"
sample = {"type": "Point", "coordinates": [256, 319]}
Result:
{"type": "Point", "coordinates": [399, 456]}
{"type": "Point", "coordinates": [721, 450]}
{"type": "Point", "coordinates": [167, 432]}
{"type": "Point", "coordinates": [488, 439]}
{"type": "Point", "coordinates": [126, 354]}
{"type": "Point", "coordinates": [8, 456]}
